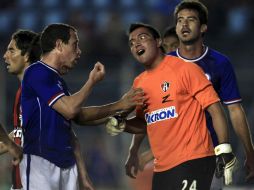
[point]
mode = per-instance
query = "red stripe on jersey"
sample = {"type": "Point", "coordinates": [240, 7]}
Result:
{"type": "Point", "coordinates": [52, 99]}
{"type": "Point", "coordinates": [16, 109]}
{"type": "Point", "coordinates": [16, 180]}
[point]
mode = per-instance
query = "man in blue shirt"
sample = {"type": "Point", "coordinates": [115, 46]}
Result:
{"type": "Point", "coordinates": [48, 109]}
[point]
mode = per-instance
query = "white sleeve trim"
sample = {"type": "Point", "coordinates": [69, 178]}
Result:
{"type": "Point", "coordinates": [55, 99]}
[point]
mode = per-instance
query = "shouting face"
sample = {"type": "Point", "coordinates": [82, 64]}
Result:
{"type": "Point", "coordinates": [144, 47]}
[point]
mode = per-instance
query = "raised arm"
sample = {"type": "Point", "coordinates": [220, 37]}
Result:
{"type": "Point", "coordinates": [70, 106]}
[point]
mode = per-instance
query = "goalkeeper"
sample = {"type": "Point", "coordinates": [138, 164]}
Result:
{"type": "Point", "coordinates": [178, 94]}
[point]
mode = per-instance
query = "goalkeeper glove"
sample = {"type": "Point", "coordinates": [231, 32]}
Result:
{"type": "Point", "coordinates": [115, 125]}
{"type": "Point", "coordinates": [226, 162]}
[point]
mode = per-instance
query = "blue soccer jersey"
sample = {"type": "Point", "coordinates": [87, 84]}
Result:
{"type": "Point", "coordinates": [220, 72]}
{"type": "Point", "coordinates": [46, 132]}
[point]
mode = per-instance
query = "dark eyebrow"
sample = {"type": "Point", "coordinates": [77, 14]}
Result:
{"type": "Point", "coordinates": [187, 17]}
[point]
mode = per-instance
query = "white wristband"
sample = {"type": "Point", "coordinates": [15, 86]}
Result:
{"type": "Point", "coordinates": [222, 148]}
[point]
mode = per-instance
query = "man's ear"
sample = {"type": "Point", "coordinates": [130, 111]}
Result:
{"type": "Point", "coordinates": [59, 45]}
{"type": "Point", "coordinates": [203, 28]}
{"type": "Point", "coordinates": [26, 58]}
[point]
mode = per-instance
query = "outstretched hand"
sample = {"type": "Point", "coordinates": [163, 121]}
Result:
{"type": "Point", "coordinates": [134, 97]}
{"type": "Point", "coordinates": [98, 73]}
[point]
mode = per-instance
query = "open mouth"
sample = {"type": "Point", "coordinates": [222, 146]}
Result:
{"type": "Point", "coordinates": [185, 31]}
{"type": "Point", "coordinates": [140, 52]}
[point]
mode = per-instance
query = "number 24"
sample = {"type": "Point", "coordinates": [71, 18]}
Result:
{"type": "Point", "coordinates": [193, 185]}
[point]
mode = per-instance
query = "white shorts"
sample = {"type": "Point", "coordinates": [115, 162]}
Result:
{"type": "Point", "coordinates": [16, 189]}
{"type": "Point", "coordinates": [38, 173]}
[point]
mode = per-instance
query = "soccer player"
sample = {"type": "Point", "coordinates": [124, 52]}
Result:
{"type": "Point", "coordinates": [10, 146]}
{"type": "Point", "coordinates": [143, 179]}
{"type": "Point", "coordinates": [48, 110]}
{"type": "Point", "coordinates": [170, 39]}
{"type": "Point", "coordinates": [23, 50]}
{"type": "Point", "coordinates": [191, 25]}
{"type": "Point", "coordinates": [177, 94]}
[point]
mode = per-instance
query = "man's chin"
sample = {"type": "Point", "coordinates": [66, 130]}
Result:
{"type": "Point", "coordinates": [64, 70]}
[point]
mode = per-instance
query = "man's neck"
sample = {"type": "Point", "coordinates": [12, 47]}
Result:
{"type": "Point", "coordinates": [51, 60]}
{"type": "Point", "coordinates": [191, 51]}
{"type": "Point", "coordinates": [21, 74]}
{"type": "Point", "coordinates": [156, 61]}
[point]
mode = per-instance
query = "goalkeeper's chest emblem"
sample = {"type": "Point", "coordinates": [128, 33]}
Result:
{"type": "Point", "coordinates": [165, 86]}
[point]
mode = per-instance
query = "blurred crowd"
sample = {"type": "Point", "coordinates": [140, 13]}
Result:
{"type": "Point", "coordinates": [102, 28]}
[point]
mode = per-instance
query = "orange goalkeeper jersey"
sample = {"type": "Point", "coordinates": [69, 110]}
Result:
{"type": "Point", "coordinates": [178, 93]}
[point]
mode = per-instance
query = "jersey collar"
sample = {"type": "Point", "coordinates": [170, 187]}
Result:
{"type": "Point", "coordinates": [192, 60]}
{"type": "Point", "coordinates": [49, 67]}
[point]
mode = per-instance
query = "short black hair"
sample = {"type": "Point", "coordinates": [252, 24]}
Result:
{"type": "Point", "coordinates": [193, 5]}
{"type": "Point", "coordinates": [170, 31]}
{"type": "Point", "coordinates": [28, 42]}
{"type": "Point", "coordinates": [52, 33]}
{"type": "Point", "coordinates": [155, 33]}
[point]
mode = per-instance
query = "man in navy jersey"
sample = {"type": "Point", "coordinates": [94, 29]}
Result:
{"type": "Point", "coordinates": [191, 24]}
{"type": "Point", "coordinates": [24, 49]}
{"type": "Point", "coordinates": [7, 144]}
{"type": "Point", "coordinates": [48, 110]}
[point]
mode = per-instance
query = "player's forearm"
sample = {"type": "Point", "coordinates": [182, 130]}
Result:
{"type": "Point", "coordinates": [4, 136]}
{"type": "Point", "coordinates": [241, 127]}
{"type": "Point", "coordinates": [136, 126]}
{"type": "Point", "coordinates": [219, 121]}
{"type": "Point", "coordinates": [94, 122]}
{"type": "Point", "coordinates": [100, 113]}
{"type": "Point", "coordinates": [136, 142]}
{"type": "Point", "coordinates": [3, 148]}
{"type": "Point", "coordinates": [70, 106]}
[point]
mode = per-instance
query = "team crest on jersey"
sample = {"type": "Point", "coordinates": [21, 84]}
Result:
{"type": "Point", "coordinates": [165, 86]}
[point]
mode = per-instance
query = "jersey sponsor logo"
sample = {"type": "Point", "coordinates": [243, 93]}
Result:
{"type": "Point", "coordinates": [160, 115]}
{"type": "Point", "coordinates": [165, 86]}
{"type": "Point", "coordinates": [165, 99]}
{"type": "Point", "coordinates": [17, 133]}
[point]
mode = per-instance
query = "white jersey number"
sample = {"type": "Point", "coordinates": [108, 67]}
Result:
{"type": "Point", "coordinates": [193, 185]}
